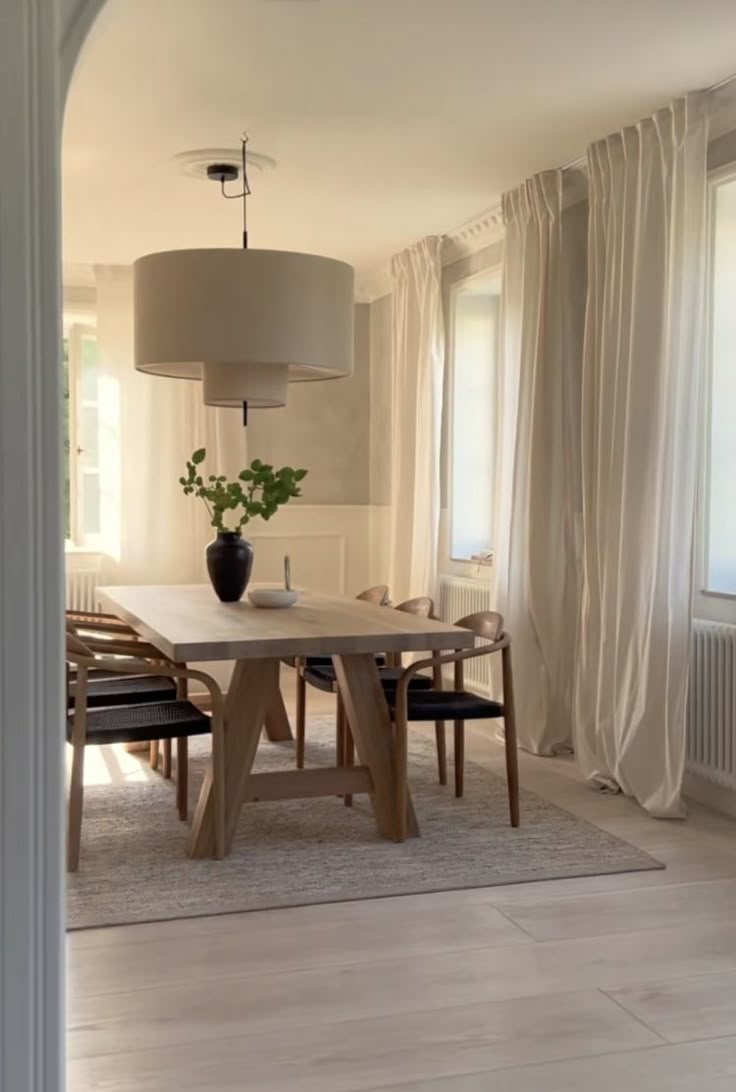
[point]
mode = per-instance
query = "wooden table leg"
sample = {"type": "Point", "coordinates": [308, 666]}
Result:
{"type": "Point", "coordinates": [278, 729]}
{"type": "Point", "coordinates": [370, 724]}
{"type": "Point", "coordinates": [251, 688]}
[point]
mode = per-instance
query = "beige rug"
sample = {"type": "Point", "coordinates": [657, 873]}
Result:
{"type": "Point", "coordinates": [134, 869]}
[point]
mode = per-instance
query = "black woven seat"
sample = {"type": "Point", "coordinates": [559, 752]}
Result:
{"type": "Point", "coordinates": [106, 688]}
{"type": "Point", "coordinates": [325, 678]}
{"type": "Point", "coordinates": [450, 705]}
{"type": "Point", "coordinates": [326, 661]}
{"type": "Point", "coordinates": [138, 723]}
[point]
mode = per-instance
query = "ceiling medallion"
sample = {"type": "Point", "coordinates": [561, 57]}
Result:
{"type": "Point", "coordinates": [194, 164]}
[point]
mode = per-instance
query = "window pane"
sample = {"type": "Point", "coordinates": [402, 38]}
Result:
{"type": "Point", "coordinates": [89, 368]}
{"type": "Point", "coordinates": [91, 503]}
{"type": "Point", "coordinates": [473, 414]}
{"type": "Point", "coordinates": [89, 436]}
{"type": "Point", "coordinates": [722, 500]}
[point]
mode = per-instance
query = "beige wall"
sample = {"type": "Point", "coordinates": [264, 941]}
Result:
{"type": "Point", "coordinates": [325, 427]}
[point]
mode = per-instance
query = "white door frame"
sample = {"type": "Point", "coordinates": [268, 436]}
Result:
{"type": "Point", "coordinates": [39, 43]}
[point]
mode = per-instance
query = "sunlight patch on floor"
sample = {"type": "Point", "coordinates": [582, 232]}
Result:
{"type": "Point", "coordinates": [113, 765]}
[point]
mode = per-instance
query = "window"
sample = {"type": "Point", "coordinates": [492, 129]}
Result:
{"type": "Point", "coordinates": [474, 351]}
{"type": "Point", "coordinates": [81, 435]}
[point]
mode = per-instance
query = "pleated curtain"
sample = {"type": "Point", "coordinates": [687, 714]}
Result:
{"type": "Point", "coordinates": [642, 378]}
{"type": "Point", "coordinates": [538, 459]}
{"type": "Point", "coordinates": [417, 367]}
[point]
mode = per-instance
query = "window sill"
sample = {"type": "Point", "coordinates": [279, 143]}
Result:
{"type": "Point", "coordinates": [728, 596]}
{"type": "Point", "coordinates": [478, 561]}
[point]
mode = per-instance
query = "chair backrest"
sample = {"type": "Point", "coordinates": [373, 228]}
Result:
{"type": "Point", "coordinates": [422, 606]}
{"type": "Point", "coordinates": [484, 623]}
{"type": "Point", "coordinates": [378, 595]}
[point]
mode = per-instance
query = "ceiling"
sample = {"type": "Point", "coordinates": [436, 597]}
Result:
{"type": "Point", "coordinates": [388, 119]}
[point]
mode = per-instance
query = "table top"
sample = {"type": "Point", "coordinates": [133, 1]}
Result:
{"type": "Point", "coordinates": [188, 622]}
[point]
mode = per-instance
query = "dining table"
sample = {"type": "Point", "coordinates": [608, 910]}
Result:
{"type": "Point", "coordinates": [188, 624]}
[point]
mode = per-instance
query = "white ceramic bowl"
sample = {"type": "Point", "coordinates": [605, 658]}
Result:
{"type": "Point", "coordinates": [273, 598]}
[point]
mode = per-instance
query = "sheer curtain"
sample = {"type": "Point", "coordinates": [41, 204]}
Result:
{"type": "Point", "coordinates": [149, 426]}
{"type": "Point", "coordinates": [641, 424]}
{"type": "Point", "coordinates": [537, 582]}
{"type": "Point", "coordinates": [417, 361]}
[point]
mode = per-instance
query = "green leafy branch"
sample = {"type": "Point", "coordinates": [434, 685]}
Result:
{"type": "Point", "coordinates": [259, 490]}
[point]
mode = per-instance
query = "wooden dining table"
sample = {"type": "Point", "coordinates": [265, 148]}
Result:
{"type": "Point", "coordinates": [189, 624]}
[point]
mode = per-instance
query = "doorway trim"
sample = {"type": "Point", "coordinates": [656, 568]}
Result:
{"type": "Point", "coordinates": [39, 44]}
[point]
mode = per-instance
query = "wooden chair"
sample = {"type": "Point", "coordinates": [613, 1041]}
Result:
{"type": "Point", "coordinates": [104, 630]}
{"type": "Point", "coordinates": [458, 705]}
{"type": "Point", "coordinates": [128, 723]}
{"type": "Point", "coordinates": [377, 595]}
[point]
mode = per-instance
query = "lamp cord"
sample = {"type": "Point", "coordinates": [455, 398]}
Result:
{"type": "Point", "coordinates": [244, 193]}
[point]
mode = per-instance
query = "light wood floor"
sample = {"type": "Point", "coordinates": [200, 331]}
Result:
{"type": "Point", "coordinates": [607, 983]}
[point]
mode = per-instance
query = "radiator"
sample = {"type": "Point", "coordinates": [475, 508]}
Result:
{"type": "Point", "coordinates": [711, 713]}
{"type": "Point", "coordinates": [81, 589]}
{"type": "Point", "coordinates": [459, 597]}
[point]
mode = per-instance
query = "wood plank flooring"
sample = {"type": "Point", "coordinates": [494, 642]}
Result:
{"type": "Point", "coordinates": [604, 982]}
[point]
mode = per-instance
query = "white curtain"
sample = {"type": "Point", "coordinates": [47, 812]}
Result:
{"type": "Point", "coordinates": [149, 426]}
{"type": "Point", "coordinates": [641, 427]}
{"type": "Point", "coordinates": [538, 457]}
{"type": "Point", "coordinates": [417, 361]}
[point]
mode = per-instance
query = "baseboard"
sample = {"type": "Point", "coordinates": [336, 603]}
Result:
{"type": "Point", "coordinates": [702, 791]}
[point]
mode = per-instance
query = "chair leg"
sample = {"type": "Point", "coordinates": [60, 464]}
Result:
{"type": "Point", "coordinates": [218, 783]}
{"type": "Point", "coordinates": [76, 801]}
{"type": "Point", "coordinates": [512, 753]}
{"type": "Point", "coordinates": [301, 719]}
{"type": "Point", "coordinates": [459, 757]}
{"type": "Point", "coordinates": [512, 769]}
{"type": "Point", "coordinates": [340, 732]}
{"type": "Point", "coordinates": [153, 754]}
{"type": "Point", "coordinates": [182, 777]}
{"type": "Point", "coordinates": [349, 757]}
{"type": "Point", "coordinates": [401, 769]}
{"type": "Point", "coordinates": [166, 749]}
{"type": "Point", "coordinates": [439, 735]}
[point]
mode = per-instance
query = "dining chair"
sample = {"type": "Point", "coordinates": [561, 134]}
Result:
{"type": "Point", "coordinates": [175, 719]}
{"type": "Point", "coordinates": [105, 629]}
{"type": "Point", "coordinates": [458, 705]}
{"type": "Point", "coordinates": [377, 595]}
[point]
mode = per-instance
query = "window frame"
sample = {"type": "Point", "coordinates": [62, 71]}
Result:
{"type": "Point", "coordinates": [477, 563]}
{"type": "Point", "coordinates": [712, 606]}
{"type": "Point", "coordinates": [76, 328]}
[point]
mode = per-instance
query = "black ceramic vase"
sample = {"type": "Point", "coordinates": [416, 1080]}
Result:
{"type": "Point", "coordinates": [229, 564]}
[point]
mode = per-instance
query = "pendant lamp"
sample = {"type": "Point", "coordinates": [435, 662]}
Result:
{"type": "Point", "coordinates": [245, 322]}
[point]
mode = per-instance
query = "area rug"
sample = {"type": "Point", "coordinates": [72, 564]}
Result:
{"type": "Point", "coordinates": [134, 869]}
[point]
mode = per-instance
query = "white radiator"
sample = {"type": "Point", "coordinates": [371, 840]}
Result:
{"type": "Point", "coordinates": [459, 597]}
{"type": "Point", "coordinates": [81, 589]}
{"type": "Point", "coordinates": [711, 714]}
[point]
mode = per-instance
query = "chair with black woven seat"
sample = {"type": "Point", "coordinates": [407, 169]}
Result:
{"type": "Point", "coordinates": [107, 631]}
{"type": "Point", "coordinates": [377, 595]}
{"type": "Point", "coordinates": [178, 719]}
{"type": "Point", "coordinates": [458, 705]}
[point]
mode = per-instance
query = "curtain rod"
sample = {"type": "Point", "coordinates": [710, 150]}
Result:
{"type": "Point", "coordinates": [494, 211]}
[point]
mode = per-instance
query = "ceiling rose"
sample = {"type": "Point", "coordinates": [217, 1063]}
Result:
{"type": "Point", "coordinates": [194, 164]}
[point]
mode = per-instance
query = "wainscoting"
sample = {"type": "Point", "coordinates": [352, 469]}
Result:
{"type": "Point", "coordinates": [711, 717]}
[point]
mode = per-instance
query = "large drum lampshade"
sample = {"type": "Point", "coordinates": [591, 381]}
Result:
{"type": "Point", "coordinates": [245, 322]}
